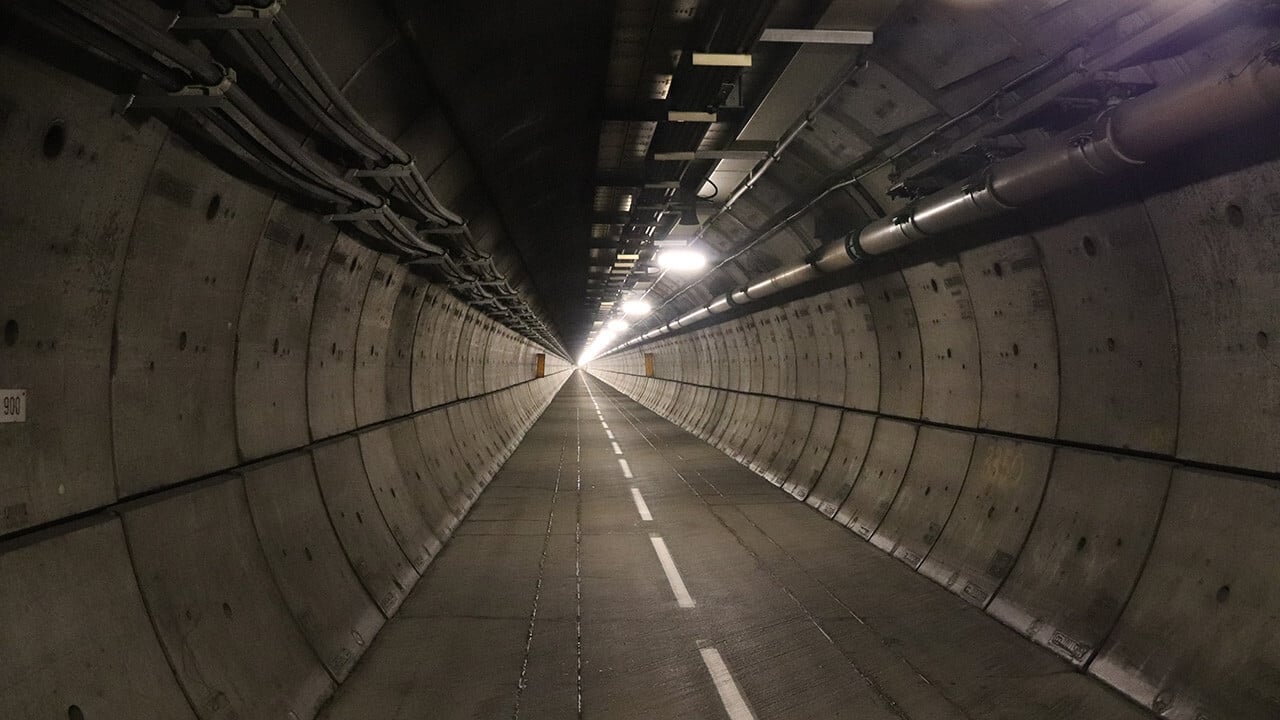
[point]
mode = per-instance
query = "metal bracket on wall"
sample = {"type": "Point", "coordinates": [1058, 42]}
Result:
{"type": "Point", "coordinates": [191, 97]}
{"type": "Point", "coordinates": [239, 17]}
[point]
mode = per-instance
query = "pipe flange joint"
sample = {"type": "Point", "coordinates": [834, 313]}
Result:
{"type": "Point", "coordinates": [853, 246]}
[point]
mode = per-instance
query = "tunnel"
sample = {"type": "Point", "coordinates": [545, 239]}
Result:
{"type": "Point", "coordinates": [640, 359]}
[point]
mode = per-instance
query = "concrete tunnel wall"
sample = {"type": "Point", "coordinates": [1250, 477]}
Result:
{"type": "Point", "coordinates": [1074, 429]}
{"type": "Point", "coordinates": [246, 433]}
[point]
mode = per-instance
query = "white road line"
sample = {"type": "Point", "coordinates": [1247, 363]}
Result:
{"type": "Point", "coordinates": [683, 599]}
{"type": "Point", "coordinates": [604, 425]}
{"type": "Point", "coordinates": [626, 468]}
{"type": "Point", "coordinates": [641, 507]}
{"type": "Point", "coordinates": [609, 433]}
{"type": "Point", "coordinates": [730, 693]}
{"type": "Point", "coordinates": [616, 450]}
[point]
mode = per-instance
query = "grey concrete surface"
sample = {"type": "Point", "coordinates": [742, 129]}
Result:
{"type": "Point", "coordinates": [551, 602]}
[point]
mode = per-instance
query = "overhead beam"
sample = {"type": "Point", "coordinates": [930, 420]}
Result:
{"type": "Point", "coordinates": [826, 37]}
{"type": "Point", "coordinates": [711, 155]}
{"type": "Point", "coordinates": [722, 59]}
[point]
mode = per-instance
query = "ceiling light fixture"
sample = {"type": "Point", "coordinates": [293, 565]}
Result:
{"type": "Point", "coordinates": [618, 325]}
{"type": "Point", "coordinates": [683, 260]}
{"type": "Point", "coordinates": [636, 307]}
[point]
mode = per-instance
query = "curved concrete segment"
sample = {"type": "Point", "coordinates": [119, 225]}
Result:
{"type": "Point", "coordinates": [105, 661]}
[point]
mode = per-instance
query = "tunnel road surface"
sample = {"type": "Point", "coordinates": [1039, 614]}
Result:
{"type": "Point", "coordinates": [618, 567]}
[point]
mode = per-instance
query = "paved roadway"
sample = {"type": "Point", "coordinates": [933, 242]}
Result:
{"type": "Point", "coordinates": [618, 567]}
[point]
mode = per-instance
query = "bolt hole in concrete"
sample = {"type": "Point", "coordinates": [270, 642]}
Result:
{"type": "Point", "coordinates": [1090, 248]}
{"type": "Point", "coordinates": [215, 204]}
{"type": "Point", "coordinates": [1235, 215]}
{"type": "Point", "coordinates": [1263, 340]}
{"type": "Point", "coordinates": [998, 270]}
{"type": "Point", "coordinates": [182, 340]}
{"type": "Point", "coordinates": [55, 141]}
{"type": "Point", "coordinates": [11, 333]}
{"type": "Point", "coordinates": [307, 552]}
{"type": "Point", "coordinates": [1224, 593]}
{"type": "Point", "coordinates": [1016, 349]}
{"type": "Point", "coordinates": [75, 713]}
{"type": "Point", "coordinates": [1081, 544]}
{"type": "Point", "coordinates": [226, 610]}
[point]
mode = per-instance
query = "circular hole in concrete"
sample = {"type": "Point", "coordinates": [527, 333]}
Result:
{"type": "Point", "coordinates": [11, 333]}
{"type": "Point", "coordinates": [75, 713]}
{"type": "Point", "coordinates": [1263, 340]}
{"type": "Point", "coordinates": [182, 340]}
{"type": "Point", "coordinates": [1111, 344]}
{"type": "Point", "coordinates": [55, 141]}
{"type": "Point", "coordinates": [997, 269]}
{"type": "Point", "coordinates": [1081, 544]}
{"type": "Point", "coordinates": [1235, 215]}
{"type": "Point", "coordinates": [307, 552]}
{"type": "Point", "coordinates": [215, 204]}
{"type": "Point", "coordinates": [1090, 248]}
{"type": "Point", "coordinates": [1016, 350]}
{"type": "Point", "coordinates": [1223, 594]}
{"type": "Point", "coordinates": [226, 610]}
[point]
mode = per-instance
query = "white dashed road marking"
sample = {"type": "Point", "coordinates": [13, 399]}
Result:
{"type": "Point", "coordinates": [626, 468]}
{"type": "Point", "coordinates": [730, 693]}
{"type": "Point", "coordinates": [683, 599]}
{"type": "Point", "coordinates": [641, 506]}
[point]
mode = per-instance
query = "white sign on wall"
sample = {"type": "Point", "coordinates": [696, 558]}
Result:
{"type": "Point", "coordinates": [13, 406]}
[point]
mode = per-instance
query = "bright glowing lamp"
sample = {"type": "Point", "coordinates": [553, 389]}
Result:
{"type": "Point", "coordinates": [681, 260]}
{"type": "Point", "coordinates": [618, 325]}
{"type": "Point", "coordinates": [636, 307]}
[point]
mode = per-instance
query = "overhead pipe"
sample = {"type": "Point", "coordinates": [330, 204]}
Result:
{"type": "Point", "coordinates": [1126, 136]}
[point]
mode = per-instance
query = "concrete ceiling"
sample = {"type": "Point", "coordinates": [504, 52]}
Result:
{"type": "Point", "coordinates": [563, 106]}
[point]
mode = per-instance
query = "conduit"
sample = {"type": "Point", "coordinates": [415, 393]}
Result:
{"type": "Point", "coordinates": [136, 36]}
{"type": "Point", "coordinates": [1127, 136]}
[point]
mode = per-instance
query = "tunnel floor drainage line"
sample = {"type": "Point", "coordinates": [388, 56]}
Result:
{"type": "Point", "coordinates": [1264, 475]}
{"type": "Point", "coordinates": [869, 680]}
{"type": "Point", "coordinates": [69, 523]}
{"type": "Point", "coordinates": [537, 588]}
{"type": "Point", "coordinates": [577, 565]}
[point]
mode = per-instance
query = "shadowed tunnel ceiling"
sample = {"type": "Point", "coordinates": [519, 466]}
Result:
{"type": "Point", "coordinates": [523, 83]}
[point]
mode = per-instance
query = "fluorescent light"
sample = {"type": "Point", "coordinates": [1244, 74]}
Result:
{"type": "Point", "coordinates": [681, 260]}
{"type": "Point", "coordinates": [722, 59]}
{"type": "Point", "coordinates": [636, 307]}
{"type": "Point", "coordinates": [619, 325]}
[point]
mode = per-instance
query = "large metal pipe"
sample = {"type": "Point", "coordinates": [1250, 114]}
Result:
{"type": "Point", "coordinates": [1127, 136]}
